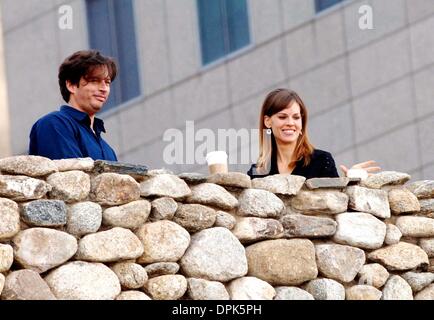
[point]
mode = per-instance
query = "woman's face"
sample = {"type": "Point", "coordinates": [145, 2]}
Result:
{"type": "Point", "coordinates": [286, 124]}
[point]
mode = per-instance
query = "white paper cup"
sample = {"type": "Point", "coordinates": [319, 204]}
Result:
{"type": "Point", "coordinates": [217, 162]}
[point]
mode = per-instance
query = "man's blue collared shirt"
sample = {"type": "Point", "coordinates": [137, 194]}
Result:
{"type": "Point", "coordinates": [67, 134]}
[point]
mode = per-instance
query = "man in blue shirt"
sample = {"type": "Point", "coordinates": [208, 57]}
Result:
{"type": "Point", "coordinates": [74, 131]}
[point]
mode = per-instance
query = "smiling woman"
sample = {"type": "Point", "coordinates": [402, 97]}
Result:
{"type": "Point", "coordinates": [284, 145]}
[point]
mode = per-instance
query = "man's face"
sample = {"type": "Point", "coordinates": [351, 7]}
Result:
{"type": "Point", "coordinates": [92, 91]}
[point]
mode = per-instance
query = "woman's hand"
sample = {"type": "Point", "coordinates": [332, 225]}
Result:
{"type": "Point", "coordinates": [369, 166]}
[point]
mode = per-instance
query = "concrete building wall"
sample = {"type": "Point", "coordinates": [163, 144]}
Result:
{"type": "Point", "coordinates": [5, 148]}
{"type": "Point", "coordinates": [369, 92]}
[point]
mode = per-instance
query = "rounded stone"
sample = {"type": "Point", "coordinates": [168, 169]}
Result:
{"type": "Point", "coordinates": [10, 219]}
{"type": "Point", "coordinates": [282, 262]}
{"type": "Point", "coordinates": [130, 216]}
{"type": "Point", "coordinates": [396, 288]}
{"type": "Point", "coordinates": [161, 269]}
{"type": "Point", "coordinates": [69, 186]}
{"type": "Point", "coordinates": [132, 295]}
{"type": "Point", "coordinates": [373, 274]}
{"type": "Point", "coordinates": [393, 234]}
{"type": "Point", "coordinates": [214, 254]}
{"type": "Point", "coordinates": [83, 281]}
{"type": "Point", "coordinates": [28, 165]}
{"type": "Point", "coordinates": [250, 288]}
{"type": "Point", "coordinates": [326, 289]}
{"type": "Point", "coordinates": [26, 285]}
{"type": "Point", "coordinates": [194, 217]}
{"type": "Point", "coordinates": [41, 249]}
{"type": "Point", "coordinates": [201, 289]}
{"type": "Point", "coordinates": [114, 189]}
{"type": "Point", "coordinates": [109, 246]}
{"type": "Point", "coordinates": [84, 218]}
{"type": "Point", "coordinates": [168, 287]}
{"type": "Point", "coordinates": [363, 292]}
{"type": "Point", "coordinates": [225, 220]}
{"type": "Point", "coordinates": [163, 241]}
{"type": "Point", "coordinates": [6, 257]}
{"type": "Point", "coordinates": [292, 293]}
{"type": "Point", "coordinates": [131, 275]}
{"type": "Point", "coordinates": [45, 213]}
{"type": "Point", "coordinates": [163, 209]}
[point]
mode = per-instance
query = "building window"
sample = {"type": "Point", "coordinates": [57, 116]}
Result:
{"type": "Point", "coordinates": [224, 27]}
{"type": "Point", "coordinates": [321, 5]}
{"type": "Point", "coordinates": [112, 31]}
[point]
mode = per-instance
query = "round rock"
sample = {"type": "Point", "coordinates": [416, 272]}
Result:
{"type": "Point", "coordinates": [114, 189]}
{"type": "Point", "coordinates": [373, 274]}
{"type": "Point", "coordinates": [292, 293]}
{"type": "Point", "coordinates": [32, 166]}
{"type": "Point", "coordinates": [6, 257]}
{"type": "Point", "coordinates": [339, 262]}
{"type": "Point", "coordinates": [418, 280]}
{"type": "Point", "coordinates": [163, 241]}
{"type": "Point", "coordinates": [426, 294]}
{"type": "Point", "coordinates": [161, 269]}
{"type": "Point", "coordinates": [69, 186]}
{"type": "Point", "coordinates": [132, 295]}
{"type": "Point", "coordinates": [169, 287]}
{"type": "Point", "coordinates": [250, 288]}
{"type": "Point", "coordinates": [84, 281]}
{"type": "Point", "coordinates": [201, 289]}
{"type": "Point", "coordinates": [260, 203]}
{"type": "Point", "coordinates": [109, 246]}
{"type": "Point", "coordinates": [400, 256]}
{"type": "Point", "coordinates": [45, 213]}
{"type": "Point", "coordinates": [359, 229]}
{"type": "Point", "coordinates": [402, 201]}
{"type": "Point", "coordinates": [326, 289]}
{"type": "Point", "coordinates": [282, 262]}
{"type": "Point", "coordinates": [280, 183]}
{"type": "Point", "coordinates": [251, 229]}
{"type": "Point", "coordinates": [164, 185]}
{"type": "Point", "coordinates": [163, 209]}
{"type": "Point", "coordinates": [225, 220]}
{"type": "Point", "coordinates": [82, 164]}
{"type": "Point", "coordinates": [26, 285]}
{"type": "Point", "coordinates": [396, 288]}
{"type": "Point", "coordinates": [10, 219]}
{"type": "Point", "coordinates": [213, 195]}
{"type": "Point", "coordinates": [22, 188]}
{"type": "Point", "coordinates": [84, 218]}
{"type": "Point", "coordinates": [130, 216]}
{"type": "Point", "coordinates": [363, 292]}
{"type": "Point", "coordinates": [131, 275]}
{"type": "Point", "coordinates": [194, 217]}
{"type": "Point", "coordinates": [214, 254]}
{"type": "Point", "coordinates": [393, 234]}
{"type": "Point", "coordinates": [416, 226]}
{"type": "Point", "coordinates": [41, 249]}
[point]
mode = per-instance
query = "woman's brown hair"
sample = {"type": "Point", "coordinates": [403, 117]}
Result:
{"type": "Point", "coordinates": [276, 101]}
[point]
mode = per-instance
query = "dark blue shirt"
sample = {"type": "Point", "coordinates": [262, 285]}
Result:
{"type": "Point", "coordinates": [67, 134]}
{"type": "Point", "coordinates": [322, 165]}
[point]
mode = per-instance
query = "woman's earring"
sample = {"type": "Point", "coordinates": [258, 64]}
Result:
{"type": "Point", "coordinates": [268, 131]}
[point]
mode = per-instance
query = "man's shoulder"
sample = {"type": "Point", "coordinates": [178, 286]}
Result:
{"type": "Point", "coordinates": [52, 118]}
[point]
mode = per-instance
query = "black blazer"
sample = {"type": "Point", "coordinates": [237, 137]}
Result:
{"type": "Point", "coordinates": [322, 165]}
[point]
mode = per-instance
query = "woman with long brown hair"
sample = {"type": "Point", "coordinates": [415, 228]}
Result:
{"type": "Point", "coordinates": [284, 145]}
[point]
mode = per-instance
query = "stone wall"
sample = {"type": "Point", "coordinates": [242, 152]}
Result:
{"type": "Point", "coordinates": [79, 229]}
